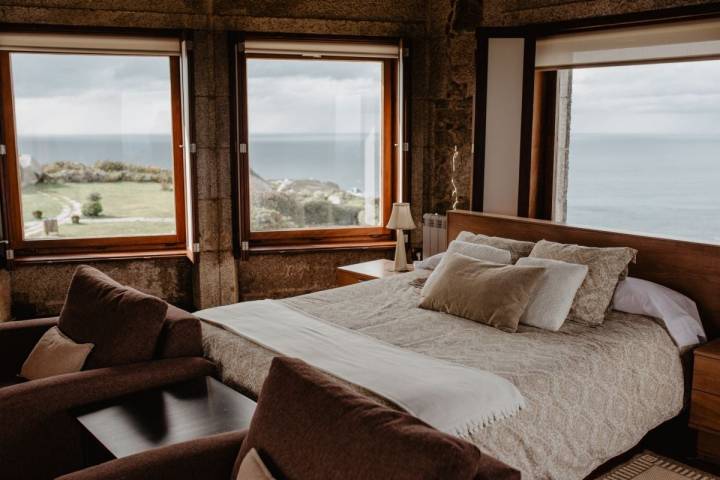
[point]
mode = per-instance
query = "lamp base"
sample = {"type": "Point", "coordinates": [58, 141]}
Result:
{"type": "Point", "coordinates": [400, 264]}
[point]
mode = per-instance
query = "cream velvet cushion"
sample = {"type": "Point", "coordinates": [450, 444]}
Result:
{"type": "Point", "coordinates": [554, 296]}
{"type": "Point", "coordinates": [517, 248]}
{"type": "Point", "coordinates": [55, 354]}
{"type": "Point", "coordinates": [606, 267]}
{"type": "Point", "coordinates": [489, 293]}
{"type": "Point", "coordinates": [253, 468]}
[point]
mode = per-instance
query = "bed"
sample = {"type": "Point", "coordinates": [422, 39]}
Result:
{"type": "Point", "coordinates": [591, 393]}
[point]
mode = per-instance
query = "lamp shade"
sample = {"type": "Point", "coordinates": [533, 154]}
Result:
{"type": "Point", "coordinates": [401, 218]}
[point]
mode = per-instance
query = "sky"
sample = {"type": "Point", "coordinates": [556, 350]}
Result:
{"type": "Point", "coordinates": [670, 98]}
{"type": "Point", "coordinates": [313, 96]}
{"type": "Point", "coordinates": [91, 94]}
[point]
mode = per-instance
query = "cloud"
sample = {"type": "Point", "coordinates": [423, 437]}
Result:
{"type": "Point", "coordinates": [670, 98]}
{"type": "Point", "coordinates": [91, 94]}
{"type": "Point", "coordinates": [312, 97]}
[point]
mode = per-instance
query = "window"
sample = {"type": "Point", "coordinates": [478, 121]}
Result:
{"type": "Point", "coordinates": [637, 130]}
{"type": "Point", "coordinates": [644, 150]}
{"type": "Point", "coordinates": [319, 132]}
{"type": "Point", "coordinates": [94, 143]}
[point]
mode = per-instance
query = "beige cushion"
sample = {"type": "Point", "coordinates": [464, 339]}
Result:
{"type": "Point", "coordinates": [551, 302]}
{"type": "Point", "coordinates": [489, 293]}
{"type": "Point", "coordinates": [253, 468]}
{"type": "Point", "coordinates": [55, 354]}
{"type": "Point", "coordinates": [605, 268]}
{"type": "Point", "coordinates": [517, 248]}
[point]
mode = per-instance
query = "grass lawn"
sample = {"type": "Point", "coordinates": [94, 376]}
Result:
{"type": "Point", "coordinates": [87, 230]}
{"type": "Point", "coordinates": [119, 200]}
{"type": "Point", "coordinates": [34, 198]}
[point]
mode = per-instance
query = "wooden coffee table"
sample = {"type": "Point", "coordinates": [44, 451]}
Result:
{"type": "Point", "coordinates": [165, 416]}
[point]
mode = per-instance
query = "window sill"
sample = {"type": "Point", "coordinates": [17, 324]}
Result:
{"type": "Point", "coordinates": [322, 247]}
{"type": "Point", "coordinates": [97, 257]}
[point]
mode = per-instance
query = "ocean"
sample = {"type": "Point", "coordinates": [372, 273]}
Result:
{"type": "Point", "coordinates": [658, 184]}
{"type": "Point", "coordinates": [338, 158]}
{"type": "Point", "coordinates": [147, 150]}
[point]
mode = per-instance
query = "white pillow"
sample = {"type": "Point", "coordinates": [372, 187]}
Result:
{"type": "Point", "coordinates": [472, 250]}
{"type": "Point", "coordinates": [552, 299]}
{"type": "Point", "coordinates": [678, 313]}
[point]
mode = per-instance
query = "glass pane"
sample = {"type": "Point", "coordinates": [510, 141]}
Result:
{"type": "Point", "coordinates": [315, 143]}
{"type": "Point", "coordinates": [94, 136]}
{"type": "Point", "coordinates": [645, 149]}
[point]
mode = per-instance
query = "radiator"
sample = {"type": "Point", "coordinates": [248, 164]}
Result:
{"type": "Point", "coordinates": [434, 234]}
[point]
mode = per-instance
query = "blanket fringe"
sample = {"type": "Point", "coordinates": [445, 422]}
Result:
{"type": "Point", "coordinates": [471, 428]}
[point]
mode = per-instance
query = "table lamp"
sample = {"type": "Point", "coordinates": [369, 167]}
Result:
{"type": "Point", "coordinates": [400, 219]}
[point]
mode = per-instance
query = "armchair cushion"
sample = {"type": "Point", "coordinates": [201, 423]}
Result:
{"type": "Point", "coordinates": [123, 323]}
{"type": "Point", "coordinates": [55, 354]}
{"type": "Point", "coordinates": [181, 335]}
{"type": "Point", "coordinates": [347, 436]}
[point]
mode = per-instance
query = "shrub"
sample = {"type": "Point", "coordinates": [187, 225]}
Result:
{"type": "Point", "coordinates": [93, 206]}
{"type": "Point", "coordinates": [267, 219]}
{"type": "Point", "coordinates": [318, 212]}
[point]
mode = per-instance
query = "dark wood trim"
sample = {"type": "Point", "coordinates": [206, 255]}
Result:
{"type": "Point", "coordinates": [691, 12]}
{"type": "Point", "coordinates": [406, 112]}
{"type": "Point", "coordinates": [96, 257]}
{"type": "Point", "coordinates": [528, 88]}
{"type": "Point", "coordinates": [178, 149]}
{"type": "Point", "coordinates": [14, 217]}
{"type": "Point", "coordinates": [324, 247]}
{"type": "Point", "coordinates": [542, 163]}
{"type": "Point", "coordinates": [690, 268]}
{"type": "Point", "coordinates": [479, 122]}
{"type": "Point", "coordinates": [4, 197]}
{"type": "Point", "coordinates": [285, 239]}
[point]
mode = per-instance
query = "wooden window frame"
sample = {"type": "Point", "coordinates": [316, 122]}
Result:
{"type": "Point", "coordinates": [318, 238]}
{"type": "Point", "coordinates": [97, 245]}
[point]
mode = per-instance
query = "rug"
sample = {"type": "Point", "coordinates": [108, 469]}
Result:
{"type": "Point", "coordinates": [649, 466]}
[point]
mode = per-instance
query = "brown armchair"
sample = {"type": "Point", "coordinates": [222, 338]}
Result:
{"type": "Point", "coordinates": [39, 438]}
{"type": "Point", "coordinates": [307, 426]}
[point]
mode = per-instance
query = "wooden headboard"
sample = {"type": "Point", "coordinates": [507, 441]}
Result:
{"type": "Point", "coordinates": [690, 268]}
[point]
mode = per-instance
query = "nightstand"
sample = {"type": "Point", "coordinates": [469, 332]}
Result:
{"type": "Point", "coordinates": [362, 272]}
{"type": "Point", "coordinates": [705, 401]}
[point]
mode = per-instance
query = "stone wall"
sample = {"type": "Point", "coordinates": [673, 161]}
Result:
{"type": "Point", "coordinates": [217, 278]}
{"type": "Point", "coordinates": [441, 37]}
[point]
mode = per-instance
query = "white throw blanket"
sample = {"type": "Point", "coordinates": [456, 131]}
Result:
{"type": "Point", "coordinates": [450, 397]}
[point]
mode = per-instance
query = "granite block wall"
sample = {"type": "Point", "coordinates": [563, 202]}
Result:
{"type": "Point", "coordinates": [442, 67]}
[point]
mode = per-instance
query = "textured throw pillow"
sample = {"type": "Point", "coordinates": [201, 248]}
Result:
{"type": "Point", "coordinates": [55, 354]}
{"type": "Point", "coordinates": [473, 250]}
{"type": "Point", "coordinates": [123, 323]}
{"type": "Point", "coordinates": [551, 302]}
{"type": "Point", "coordinates": [516, 248]}
{"type": "Point", "coordinates": [253, 468]}
{"type": "Point", "coordinates": [308, 426]}
{"type": "Point", "coordinates": [489, 293]}
{"type": "Point", "coordinates": [605, 269]}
